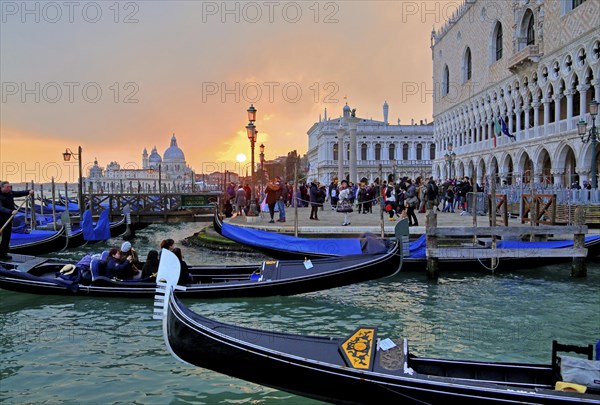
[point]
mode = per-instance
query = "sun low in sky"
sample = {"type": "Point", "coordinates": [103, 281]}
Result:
{"type": "Point", "coordinates": [118, 77]}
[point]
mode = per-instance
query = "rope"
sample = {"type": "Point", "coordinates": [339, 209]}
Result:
{"type": "Point", "coordinates": [489, 268]}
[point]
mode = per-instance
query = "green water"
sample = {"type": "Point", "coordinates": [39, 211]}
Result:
{"type": "Point", "coordinates": [99, 351]}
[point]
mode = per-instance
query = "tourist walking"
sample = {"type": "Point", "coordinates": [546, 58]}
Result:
{"type": "Point", "coordinates": [431, 195]}
{"type": "Point", "coordinates": [240, 200]}
{"type": "Point", "coordinates": [412, 202]}
{"type": "Point", "coordinates": [344, 205]}
{"type": "Point", "coordinates": [282, 194]}
{"type": "Point", "coordinates": [271, 199]}
{"type": "Point", "coordinates": [312, 195]}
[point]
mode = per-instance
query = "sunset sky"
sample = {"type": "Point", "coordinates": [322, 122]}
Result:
{"type": "Point", "coordinates": [115, 77]}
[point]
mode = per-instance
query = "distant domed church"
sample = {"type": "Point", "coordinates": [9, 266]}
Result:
{"type": "Point", "coordinates": [171, 170]}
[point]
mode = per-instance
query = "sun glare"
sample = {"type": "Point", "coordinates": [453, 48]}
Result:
{"type": "Point", "coordinates": [240, 158]}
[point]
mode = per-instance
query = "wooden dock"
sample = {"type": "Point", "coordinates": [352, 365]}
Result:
{"type": "Point", "coordinates": [578, 252]}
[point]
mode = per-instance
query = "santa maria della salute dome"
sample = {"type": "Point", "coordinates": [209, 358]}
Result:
{"type": "Point", "coordinates": [171, 170]}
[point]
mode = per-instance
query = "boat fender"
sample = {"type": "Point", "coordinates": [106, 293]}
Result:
{"type": "Point", "coordinates": [570, 387]}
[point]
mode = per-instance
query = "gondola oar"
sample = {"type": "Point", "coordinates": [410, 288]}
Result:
{"type": "Point", "coordinates": [11, 217]}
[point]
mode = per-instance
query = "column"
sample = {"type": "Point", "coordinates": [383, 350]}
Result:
{"type": "Point", "coordinates": [582, 100]}
{"type": "Point", "coordinates": [569, 95]}
{"type": "Point", "coordinates": [557, 98]}
{"type": "Point", "coordinates": [353, 122]}
{"type": "Point", "coordinates": [536, 116]}
{"type": "Point", "coordinates": [518, 132]}
{"type": "Point", "coordinates": [527, 107]}
{"type": "Point", "coordinates": [546, 115]}
{"type": "Point", "coordinates": [557, 177]}
{"type": "Point", "coordinates": [510, 121]}
{"type": "Point", "coordinates": [596, 84]}
{"type": "Point", "coordinates": [340, 135]}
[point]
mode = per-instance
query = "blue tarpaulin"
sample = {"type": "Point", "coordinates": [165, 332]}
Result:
{"type": "Point", "coordinates": [258, 238]}
{"type": "Point", "coordinates": [99, 232]}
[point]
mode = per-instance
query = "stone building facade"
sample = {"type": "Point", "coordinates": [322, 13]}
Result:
{"type": "Point", "coordinates": [170, 171]}
{"type": "Point", "coordinates": [401, 150]}
{"type": "Point", "coordinates": [534, 64]}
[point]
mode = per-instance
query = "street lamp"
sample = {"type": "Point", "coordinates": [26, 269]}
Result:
{"type": "Point", "coordinates": [77, 156]}
{"type": "Point", "coordinates": [262, 168]}
{"type": "Point", "coordinates": [592, 136]}
{"type": "Point", "coordinates": [252, 134]}
{"type": "Point", "coordinates": [449, 157]}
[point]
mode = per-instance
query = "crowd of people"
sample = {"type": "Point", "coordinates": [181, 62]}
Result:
{"type": "Point", "coordinates": [403, 198]}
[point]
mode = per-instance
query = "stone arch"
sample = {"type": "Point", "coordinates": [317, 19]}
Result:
{"type": "Point", "coordinates": [507, 170]}
{"type": "Point", "coordinates": [525, 167]}
{"type": "Point", "coordinates": [565, 165]}
{"type": "Point", "coordinates": [494, 170]}
{"type": "Point", "coordinates": [543, 166]}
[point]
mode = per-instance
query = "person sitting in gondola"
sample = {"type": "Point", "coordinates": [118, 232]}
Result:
{"type": "Point", "coordinates": [151, 266]}
{"type": "Point", "coordinates": [184, 274]}
{"type": "Point", "coordinates": [117, 268]}
{"type": "Point", "coordinates": [128, 251]}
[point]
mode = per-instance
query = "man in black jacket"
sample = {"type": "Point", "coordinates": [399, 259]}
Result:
{"type": "Point", "coordinates": [7, 209]}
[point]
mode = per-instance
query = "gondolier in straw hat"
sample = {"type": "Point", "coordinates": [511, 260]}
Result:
{"type": "Point", "coordinates": [8, 210]}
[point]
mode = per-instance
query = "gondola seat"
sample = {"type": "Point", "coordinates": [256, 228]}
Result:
{"type": "Point", "coordinates": [98, 265]}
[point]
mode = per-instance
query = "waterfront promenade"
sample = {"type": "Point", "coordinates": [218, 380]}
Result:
{"type": "Point", "coordinates": [330, 222]}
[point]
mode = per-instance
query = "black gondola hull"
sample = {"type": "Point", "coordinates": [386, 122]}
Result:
{"type": "Point", "coordinates": [313, 367]}
{"type": "Point", "coordinates": [288, 278]}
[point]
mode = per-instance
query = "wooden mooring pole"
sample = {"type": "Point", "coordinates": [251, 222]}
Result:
{"type": "Point", "coordinates": [433, 270]}
{"type": "Point", "coordinates": [579, 267]}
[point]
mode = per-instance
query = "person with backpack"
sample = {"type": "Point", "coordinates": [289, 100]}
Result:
{"type": "Point", "coordinates": [412, 202]}
{"type": "Point", "coordinates": [390, 200]}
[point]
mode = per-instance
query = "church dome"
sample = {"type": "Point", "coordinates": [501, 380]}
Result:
{"type": "Point", "coordinates": [154, 156]}
{"type": "Point", "coordinates": [173, 152]}
{"type": "Point", "coordinates": [347, 108]}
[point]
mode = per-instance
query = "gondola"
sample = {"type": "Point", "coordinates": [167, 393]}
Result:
{"type": "Point", "coordinates": [360, 369]}
{"type": "Point", "coordinates": [286, 246]}
{"type": "Point", "coordinates": [37, 242]}
{"type": "Point", "coordinates": [286, 277]}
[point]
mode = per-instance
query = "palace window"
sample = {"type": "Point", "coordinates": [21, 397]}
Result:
{"type": "Point", "coordinates": [392, 151]}
{"type": "Point", "coordinates": [446, 81]}
{"type": "Point", "coordinates": [467, 66]}
{"type": "Point", "coordinates": [363, 151]}
{"type": "Point", "coordinates": [419, 152]}
{"type": "Point", "coordinates": [405, 152]}
{"type": "Point", "coordinates": [432, 151]}
{"type": "Point", "coordinates": [378, 152]}
{"type": "Point", "coordinates": [335, 151]}
{"type": "Point", "coordinates": [498, 41]}
{"type": "Point", "coordinates": [531, 31]}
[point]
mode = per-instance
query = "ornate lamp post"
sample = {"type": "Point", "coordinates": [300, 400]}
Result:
{"type": "Point", "coordinates": [592, 136]}
{"type": "Point", "coordinates": [252, 134]}
{"type": "Point", "coordinates": [449, 157]}
{"type": "Point", "coordinates": [77, 156]}
{"type": "Point", "coordinates": [262, 168]}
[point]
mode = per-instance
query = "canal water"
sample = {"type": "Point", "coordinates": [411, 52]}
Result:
{"type": "Point", "coordinates": [75, 350]}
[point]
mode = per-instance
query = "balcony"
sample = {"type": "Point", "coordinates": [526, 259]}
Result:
{"type": "Point", "coordinates": [529, 54]}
